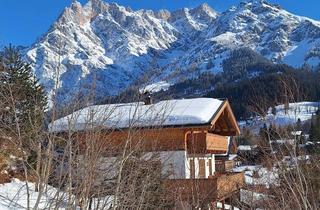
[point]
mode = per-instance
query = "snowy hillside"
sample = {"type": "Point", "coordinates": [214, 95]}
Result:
{"type": "Point", "coordinates": [107, 47]}
{"type": "Point", "coordinates": [155, 87]}
{"type": "Point", "coordinates": [301, 110]}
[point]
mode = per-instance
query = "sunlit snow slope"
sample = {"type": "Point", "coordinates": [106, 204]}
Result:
{"type": "Point", "coordinates": [106, 47]}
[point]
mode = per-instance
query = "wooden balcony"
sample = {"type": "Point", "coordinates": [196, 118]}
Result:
{"type": "Point", "coordinates": [191, 190]}
{"type": "Point", "coordinates": [203, 143]}
{"type": "Point", "coordinates": [228, 183]}
{"type": "Point", "coordinates": [224, 165]}
{"type": "Point", "coordinates": [204, 191]}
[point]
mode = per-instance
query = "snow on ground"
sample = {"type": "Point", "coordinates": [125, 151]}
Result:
{"type": "Point", "coordinates": [226, 206]}
{"type": "Point", "coordinates": [14, 196]}
{"type": "Point", "coordinates": [291, 162]}
{"type": "Point", "coordinates": [156, 87]}
{"type": "Point", "coordinates": [251, 198]}
{"type": "Point", "coordinates": [300, 110]}
{"type": "Point", "coordinates": [163, 113]}
{"type": "Point", "coordinates": [284, 141]}
{"type": "Point", "coordinates": [258, 175]}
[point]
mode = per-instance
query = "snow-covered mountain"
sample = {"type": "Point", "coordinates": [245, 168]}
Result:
{"type": "Point", "coordinates": [106, 47]}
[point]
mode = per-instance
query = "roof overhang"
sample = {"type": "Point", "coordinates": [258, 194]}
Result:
{"type": "Point", "coordinates": [224, 121]}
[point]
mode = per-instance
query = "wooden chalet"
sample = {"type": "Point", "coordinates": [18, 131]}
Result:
{"type": "Point", "coordinates": [187, 133]}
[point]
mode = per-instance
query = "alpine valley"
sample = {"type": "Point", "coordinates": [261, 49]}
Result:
{"type": "Point", "coordinates": [109, 48]}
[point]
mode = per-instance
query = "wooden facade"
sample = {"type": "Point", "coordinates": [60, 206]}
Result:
{"type": "Point", "coordinates": [198, 139]}
{"type": "Point", "coordinates": [199, 143]}
{"type": "Point", "coordinates": [204, 143]}
{"type": "Point", "coordinates": [200, 192]}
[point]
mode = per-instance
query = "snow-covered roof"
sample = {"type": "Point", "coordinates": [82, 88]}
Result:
{"type": "Point", "coordinates": [164, 113]}
{"type": "Point", "coordinates": [232, 156]}
{"type": "Point", "coordinates": [246, 147]}
{"type": "Point", "coordinates": [296, 133]}
{"type": "Point", "coordinates": [284, 141]}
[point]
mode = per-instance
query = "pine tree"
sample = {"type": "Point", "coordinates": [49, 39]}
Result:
{"type": "Point", "coordinates": [264, 133]}
{"type": "Point", "coordinates": [23, 99]}
{"type": "Point", "coordinates": [274, 135]}
{"type": "Point", "coordinates": [299, 125]}
{"type": "Point", "coordinates": [274, 110]}
{"type": "Point", "coordinates": [315, 127]}
{"type": "Point", "coordinates": [312, 131]}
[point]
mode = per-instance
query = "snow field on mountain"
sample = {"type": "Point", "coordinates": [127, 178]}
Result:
{"type": "Point", "coordinates": [113, 46]}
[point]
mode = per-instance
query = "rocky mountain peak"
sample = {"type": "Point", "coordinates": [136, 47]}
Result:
{"type": "Point", "coordinates": [259, 6]}
{"type": "Point", "coordinates": [76, 6]}
{"type": "Point", "coordinates": [109, 42]}
{"type": "Point", "coordinates": [204, 14]}
{"type": "Point", "coordinates": [97, 6]}
{"type": "Point", "coordinates": [192, 20]}
{"type": "Point", "coordinates": [204, 10]}
{"type": "Point", "coordinates": [119, 13]}
{"type": "Point", "coordinates": [76, 13]}
{"type": "Point", "coordinates": [163, 14]}
{"type": "Point", "coordinates": [178, 14]}
{"type": "Point", "coordinates": [253, 2]}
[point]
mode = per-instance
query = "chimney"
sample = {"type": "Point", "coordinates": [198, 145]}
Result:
{"type": "Point", "coordinates": [147, 98]}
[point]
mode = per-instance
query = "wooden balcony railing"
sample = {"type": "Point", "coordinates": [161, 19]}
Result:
{"type": "Point", "coordinates": [202, 143]}
{"type": "Point", "coordinates": [228, 183]}
{"type": "Point", "coordinates": [204, 191]}
{"type": "Point", "coordinates": [200, 190]}
{"type": "Point", "coordinates": [223, 166]}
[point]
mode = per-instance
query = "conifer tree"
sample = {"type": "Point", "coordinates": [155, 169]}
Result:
{"type": "Point", "coordinates": [23, 100]}
{"type": "Point", "coordinates": [315, 127]}
{"type": "Point", "coordinates": [274, 135]}
{"type": "Point", "coordinates": [274, 110]}
{"type": "Point", "coordinates": [299, 125]}
{"type": "Point", "coordinates": [264, 133]}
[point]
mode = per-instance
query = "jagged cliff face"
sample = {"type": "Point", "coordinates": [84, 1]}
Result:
{"type": "Point", "coordinates": [106, 47]}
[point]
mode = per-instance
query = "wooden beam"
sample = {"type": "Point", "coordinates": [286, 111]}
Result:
{"type": "Point", "coordinates": [225, 118]}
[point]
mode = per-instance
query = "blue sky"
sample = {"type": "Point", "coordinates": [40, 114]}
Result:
{"type": "Point", "coordinates": [23, 21]}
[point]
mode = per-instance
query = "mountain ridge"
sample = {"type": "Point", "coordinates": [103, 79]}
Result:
{"type": "Point", "coordinates": [108, 47]}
